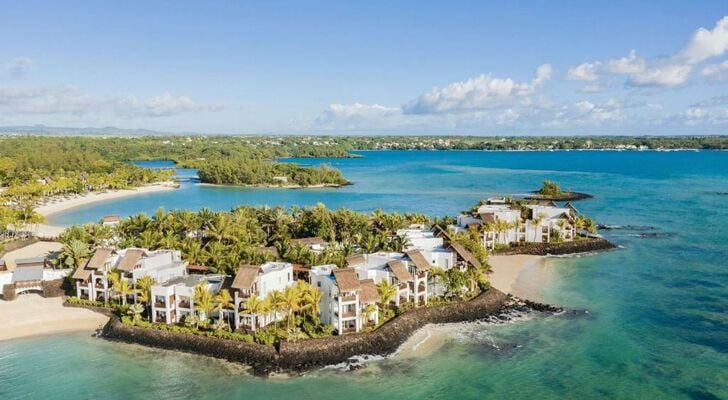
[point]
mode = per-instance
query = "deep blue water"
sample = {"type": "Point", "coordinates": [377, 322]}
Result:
{"type": "Point", "coordinates": [658, 322]}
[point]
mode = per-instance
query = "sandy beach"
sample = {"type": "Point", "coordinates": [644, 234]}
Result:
{"type": "Point", "coordinates": [520, 275]}
{"type": "Point", "coordinates": [62, 204]}
{"type": "Point", "coordinates": [33, 315]}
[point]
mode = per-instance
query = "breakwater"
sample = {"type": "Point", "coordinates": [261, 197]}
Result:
{"type": "Point", "coordinates": [542, 249]}
{"type": "Point", "coordinates": [308, 354]}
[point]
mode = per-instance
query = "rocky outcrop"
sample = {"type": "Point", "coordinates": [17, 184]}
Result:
{"type": "Point", "coordinates": [263, 359]}
{"type": "Point", "coordinates": [304, 355]}
{"type": "Point", "coordinates": [307, 354]}
{"type": "Point", "coordinates": [574, 247]}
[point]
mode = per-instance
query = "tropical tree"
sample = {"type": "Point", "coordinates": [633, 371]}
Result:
{"type": "Point", "coordinates": [255, 306]}
{"type": "Point", "coordinates": [204, 302]}
{"type": "Point", "coordinates": [136, 310]}
{"type": "Point", "coordinates": [387, 292]}
{"type": "Point", "coordinates": [291, 303]}
{"type": "Point", "coordinates": [73, 254]}
{"type": "Point", "coordinates": [144, 288]}
{"type": "Point", "coordinates": [223, 301]}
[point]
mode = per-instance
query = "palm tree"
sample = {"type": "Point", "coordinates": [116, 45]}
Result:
{"type": "Point", "coordinates": [216, 256]}
{"type": "Point", "coordinates": [144, 288]}
{"type": "Point", "coordinates": [291, 303]}
{"type": "Point", "coordinates": [387, 292]}
{"type": "Point", "coordinates": [136, 310]}
{"type": "Point", "coordinates": [74, 253]}
{"type": "Point", "coordinates": [122, 288]}
{"type": "Point", "coordinates": [223, 301]}
{"type": "Point", "coordinates": [254, 306]}
{"type": "Point", "coordinates": [203, 299]}
{"type": "Point", "coordinates": [277, 303]}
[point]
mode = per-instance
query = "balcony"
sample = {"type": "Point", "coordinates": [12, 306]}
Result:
{"type": "Point", "coordinates": [402, 286]}
{"type": "Point", "coordinates": [348, 314]}
{"type": "Point", "coordinates": [422, 275]}
{"type": "Point", "coordinates": [184, 304]}
{"type": "Point", "coordinates": [160, 304]}
{"type": "Point", "coordinates": [347, 298]}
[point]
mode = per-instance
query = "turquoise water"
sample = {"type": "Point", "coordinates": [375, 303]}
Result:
{"type": "Point", "coordinates": [658, 322]}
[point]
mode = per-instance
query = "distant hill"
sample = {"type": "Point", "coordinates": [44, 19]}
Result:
{"type": "Point", "coordinates": [61, 131]}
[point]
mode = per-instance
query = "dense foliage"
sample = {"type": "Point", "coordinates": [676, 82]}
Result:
{"type": "Point", "coordinates": [549, 188]}
{"type": "Point", "coordinates": [238, 171]}
{"type": "Point", "coordinates": [248, 235]}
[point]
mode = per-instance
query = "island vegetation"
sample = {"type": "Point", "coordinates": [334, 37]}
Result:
{"type": "Point", "coordinates": [242, 172]}
{"type": "Point", "coordinates": [551, 190]}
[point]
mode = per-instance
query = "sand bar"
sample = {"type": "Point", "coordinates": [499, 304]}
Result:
{"type": "Point", "coordinates": [520, 275]}
{"type": "Point", "coordinates": [33, 315]}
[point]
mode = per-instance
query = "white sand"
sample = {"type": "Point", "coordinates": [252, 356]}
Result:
{"type": "Point", "coordinates": [32, 315]}
{"type": "Point", "coordinates": [426, 341]}
{"type": "Point", "coordinates": [39, 249]}
{"type": "Point", "coordinates": [520, 275]}
{"type": "Point", "coordinates": [61, 204]}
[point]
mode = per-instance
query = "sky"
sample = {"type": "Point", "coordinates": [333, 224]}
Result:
{"type": "Point", "coordinates": [374, 67]}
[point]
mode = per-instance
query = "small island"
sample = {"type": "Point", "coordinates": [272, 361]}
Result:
{"type": "Point", "coordinates": [552, 191]}
{"type": "Point", "coordinates": [257, 173]}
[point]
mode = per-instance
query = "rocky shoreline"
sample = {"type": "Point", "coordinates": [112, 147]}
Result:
{"type": "Point", "coordinates": [544, 249]}
{"type": "Point", "coordinates": [304, 355]}
{"type": "Point", "coordinates": [564, 196]}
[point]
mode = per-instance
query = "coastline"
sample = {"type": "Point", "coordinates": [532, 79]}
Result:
{"type": "Point", "coordinates": [56, 207]}
{"type": "Point", "coordinates": [269, 186]}
{"type": "Point", "coordinates": [32, 315]}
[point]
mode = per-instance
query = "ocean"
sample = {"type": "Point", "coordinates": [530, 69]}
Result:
{"type": "Point", "coordinates": [657, 326]}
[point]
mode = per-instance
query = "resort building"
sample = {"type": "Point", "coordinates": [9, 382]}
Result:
{"type": "Point", "coordinates": [347, 303]}
{"type": "Point", "coordinates": [431, 246]}
{"type": "Point", "coordinates": [258, 281]}
{"type": "Point", "coordinates": [408, 272]}
{"type": "Point", "coordinates": [174, 299]}
{"type": "Point", "coordinates": [502, 223]}
{"type": "Point", "coordinates": [132, 264]}
{"type": "Point", "coordinates": [110, 220]}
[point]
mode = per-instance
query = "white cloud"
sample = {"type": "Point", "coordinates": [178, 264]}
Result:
{"type": "Point", "coordinates": [18, 67]}
{"type": "Point", "coordinates": [665, 72]}
{"type": "Point", "coordinates": [716, 72]}
{"type": "Point", "coordinates": [705, 44]}
{"type": "Point", "coordinates": [69, 100]}
{"type": "Point", "coordinates": [479, 93]}
{"type": "Point", "coordinates": [592, 71]}
{"type": "Point", "coordinates": [163, 105]}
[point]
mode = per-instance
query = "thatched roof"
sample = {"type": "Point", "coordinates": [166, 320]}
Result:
{"type": "Point", "coordinates": [81, 273]}
{"type": "Point", "coordinates": [419, 260]}
{"type": "Point", "coordinates": [488, 218]}
{"type": "Point", "coordinates": [400, 271]}
{"type": "Point", "coordinates": [369, 292]}
{"type": "Point", "coordinates": [443, 233]}
{"type": "Point", "coordinates": [130, 259]}
{"type": "Point", "coordinates": [245, 277]}
{"type": "Point", "coordinates": [465, 254]}
{"type": "Point", "coordinates": [346, 279]}
{"type": "Point", "coordinates": [111, 218]}
{"type": "Point", "coordinates": [99, 258]}
{"type": "Point", "coordinates": [358, 259]}
{"type": "Point", "coordinates": [309, 241]}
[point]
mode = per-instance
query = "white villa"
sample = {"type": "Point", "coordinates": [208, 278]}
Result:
{"type": "Point", "coordinates": [173, 300]}
{"type": "Point", "coordinates": [407, 271]}
{"type": "Point", "coordinates": [347, 302]}
{"type": "Point", "coordinates": [259, 281]}
{"type": "Point", "coordinates": [92, 280]}
{"type": "Point", "coordinates": [503, 224]}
